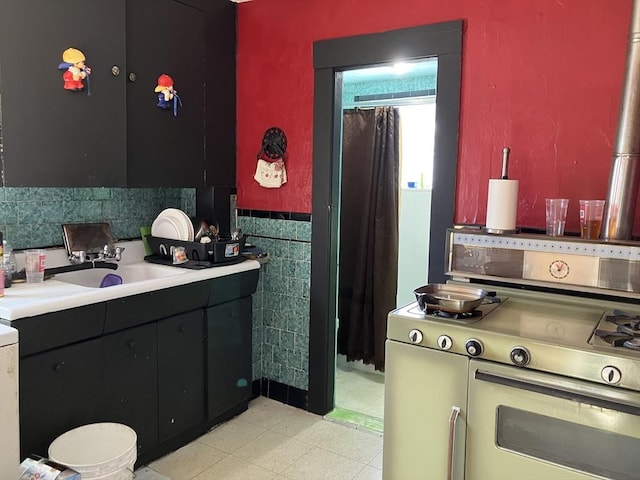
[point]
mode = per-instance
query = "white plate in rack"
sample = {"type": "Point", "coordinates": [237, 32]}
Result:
{"type": "Point", "coordinates": [175, 223]}
{"type": "Point", "coordinates": [166, 227]}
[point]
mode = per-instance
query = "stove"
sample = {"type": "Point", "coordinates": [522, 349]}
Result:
{"type": "Point", "coordinates": [538, 382]}
{"type": "Point", "coordinates": [547, 332]}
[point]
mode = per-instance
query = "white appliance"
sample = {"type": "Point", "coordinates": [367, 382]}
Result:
{"type": "Point", "coordinates": [9, 420]}
{"type": "Point", "coordinates": [536, 385]}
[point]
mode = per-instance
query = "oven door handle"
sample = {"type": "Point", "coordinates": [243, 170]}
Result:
{"type": "Point", "coordinates": [453, 418]}
{"type": "Point", "coordinates": [557, 391]}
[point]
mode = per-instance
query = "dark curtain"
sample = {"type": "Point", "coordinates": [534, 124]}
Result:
{"type": "Point", "coordinates": [368, 268]}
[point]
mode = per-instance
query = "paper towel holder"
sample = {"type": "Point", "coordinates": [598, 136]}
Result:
{"type": "Point", "coordinates": [504, 177]}
{"type": "Point", "coordinates": [499, 231]}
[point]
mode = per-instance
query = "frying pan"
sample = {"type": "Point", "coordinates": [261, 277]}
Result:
{"type": "Point", "coordinates": [451, 298]}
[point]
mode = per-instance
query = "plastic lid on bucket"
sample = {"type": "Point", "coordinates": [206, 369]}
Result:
{"type": "Point", "coordinates": [95, 448]}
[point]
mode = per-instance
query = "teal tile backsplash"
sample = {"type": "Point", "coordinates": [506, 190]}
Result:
{"type": "Point", "coordinates": [33, 217]}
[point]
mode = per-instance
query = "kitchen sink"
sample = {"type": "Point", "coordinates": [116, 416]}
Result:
{"type": "Point", "coordinates": [130, 273]}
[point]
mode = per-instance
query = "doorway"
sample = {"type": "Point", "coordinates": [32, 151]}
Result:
{"type": "Point", "coordinates": [400, 235]}
{"type": "Point", "coordinates": [331, 59]}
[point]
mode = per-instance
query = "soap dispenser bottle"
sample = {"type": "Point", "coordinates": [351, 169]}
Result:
{"type": "Point", "coordinates": [8, 263]}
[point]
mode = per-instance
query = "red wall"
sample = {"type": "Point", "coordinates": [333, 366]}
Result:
{"type": "Point", "coordinates": [543, 77]}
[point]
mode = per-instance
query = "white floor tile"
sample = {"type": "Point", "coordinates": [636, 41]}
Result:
{"type": "Point", "coordinates": [297, 421]}
{"type": "Point", "coordinates": [377, 462]}
{"type": "Point", "coordinates": [319, 464]}
{"type": "Point", "coordinates": [232, 435]}
{"type": "Point", "coordinates": [145, 473]}
{"type": "Point", "coordinates": [358, 445]}
{"type": "Point", "coordinates": [354, 444]}
{"type": "Point", "coordinates": [318, 432]}
{"type": "Point", "coordinates": [273, 451]}
{"type": "Point", "coordinates": [188, 461]}
{"type": "Point", "coordinates": [265, 412]}
{"type": "Point", "coordinates": [369, 473]}
{"type": "Point", "coordinates": [233, 468]}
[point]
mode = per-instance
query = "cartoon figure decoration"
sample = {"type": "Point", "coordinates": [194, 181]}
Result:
{"type": "Point", "coordinates": [271, 171]}
{"type": "Point", "coordinates": [167, 96]}
{"type": "Point", "coordinates": [76, 71]}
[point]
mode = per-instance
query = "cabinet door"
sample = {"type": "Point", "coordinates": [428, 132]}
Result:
{"type": "Point", "coordinates": [59, 390]}
{"type": "Point", "coordinates": [228, 355]}
{"type": "Point", "coordinates": [180, 373]}
{"type": "Point", "coordinates": [220, 166]}
{"type": "Point", "coordinates": [131, 386]}
{"type": "Point", "coordinates": [165, 37]}
{"type": "Point", "coordinates": [52, 136]}
{"type": "Point", "coordinates": [421, 388]}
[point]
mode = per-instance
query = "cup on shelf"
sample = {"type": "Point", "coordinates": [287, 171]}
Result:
{"type": "Point", "coordinates": [556, 213]}
{"type": "Point", "coordinates": [591, 218]}
{"type": "Point", "coordinates": [34, 261]}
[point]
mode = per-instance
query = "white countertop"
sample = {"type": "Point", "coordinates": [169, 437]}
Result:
{"type": "Point", "coordinates": [8, 335]}
{"type": "Point", "coordinates": [26, 300]}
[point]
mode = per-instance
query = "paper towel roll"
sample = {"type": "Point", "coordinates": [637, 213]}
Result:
{"type": "Point", "coordinates": [502, 205]}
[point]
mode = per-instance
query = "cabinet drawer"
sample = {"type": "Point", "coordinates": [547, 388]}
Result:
{"type": "Point", "coordinates": [55, 329]}
{"type": "Point", "coordinates": [128, 312]}
{"type": "Point", "coordinates": [225, 289]}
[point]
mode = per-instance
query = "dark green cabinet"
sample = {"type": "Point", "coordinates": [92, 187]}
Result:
{"type": "Point", "coordinates": [165, 37]}
{"type": "Point", "coordinates": [228, 355]}
{"type": "Point", "coordinates": [117, 136]}
{"type": "Point", "coordinates": [59, 390]}
{"type": "Point", "coordinates": [180, 374]}
{"type": "Point", "coordinates": [52, 136]}
{"type": "Point", "coordinates": [169, 363]}
{"type": "Point", "coordinates": [130, 359]}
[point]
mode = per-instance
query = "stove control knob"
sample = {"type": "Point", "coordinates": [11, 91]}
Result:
{"type": "Point", "coordinates": [445, 342]}
{"type": "Point", "coordinates": [611, 375]}
{"type": "Point", "coordinates": [520, 356]}
{"type": "Point", "coordinates": [473, 347]}
{"type": "Point", "coordinates": [415, 336]}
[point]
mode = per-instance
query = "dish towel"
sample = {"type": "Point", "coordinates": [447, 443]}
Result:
{"type": "Point", "coordinates": [271, 174]}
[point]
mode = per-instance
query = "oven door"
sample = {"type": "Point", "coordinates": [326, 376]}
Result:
{"type": "Point", "coordinates": [530, 425]}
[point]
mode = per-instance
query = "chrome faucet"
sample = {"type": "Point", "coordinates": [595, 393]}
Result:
{"type": "Point", "coordinates": [111, 253]}
{"type": "Point", "coordinates": [78, 257]}
{"type": "Point", "coordinates": [107, 253]}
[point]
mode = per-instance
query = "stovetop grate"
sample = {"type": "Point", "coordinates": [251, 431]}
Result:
{"type": "Point", "coordinates": [627, 333]}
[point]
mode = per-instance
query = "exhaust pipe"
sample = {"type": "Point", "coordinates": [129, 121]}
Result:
{"type": "Point", "coordinates": [622, 196]}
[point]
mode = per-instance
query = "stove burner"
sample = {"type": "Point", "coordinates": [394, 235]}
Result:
{"type": "Point", "coordinates": [615, 339]}
{"type": "Point", "coordinates": [627, 332]}
{"type": "Point", "coordinates": [453, 315]}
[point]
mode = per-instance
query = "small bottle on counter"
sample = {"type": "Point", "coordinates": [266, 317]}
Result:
{"type": "Point", "coordinates": [8, 263]}
{"type": "Point", "coordinates": [1, 265]}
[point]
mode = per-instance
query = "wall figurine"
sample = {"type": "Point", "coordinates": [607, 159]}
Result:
{"type": "Point", "coordinates": [167, 95]}
{"type": "Point", "coordinates": [271, 171]}
{"type": "Point", "coordinates": [77, 73]}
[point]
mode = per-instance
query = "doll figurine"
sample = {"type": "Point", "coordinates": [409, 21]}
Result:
{"type": "Point", "coordinates": [165, 91]}
{"type": "Point", "coordinates": [76, 71]}
{"type": "Point", "coordinates": [167, 96]}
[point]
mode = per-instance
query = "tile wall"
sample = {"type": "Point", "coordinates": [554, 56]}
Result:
{"type": "Point", "coordinates": [408, 84]}
{"type": "Point", "coordinates": [281, 304]}
{"type": "Point", "coordinates": [32, 217]}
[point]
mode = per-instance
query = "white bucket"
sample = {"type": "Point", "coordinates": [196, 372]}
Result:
{"type": "Point", "coordinates": [99, 451]}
